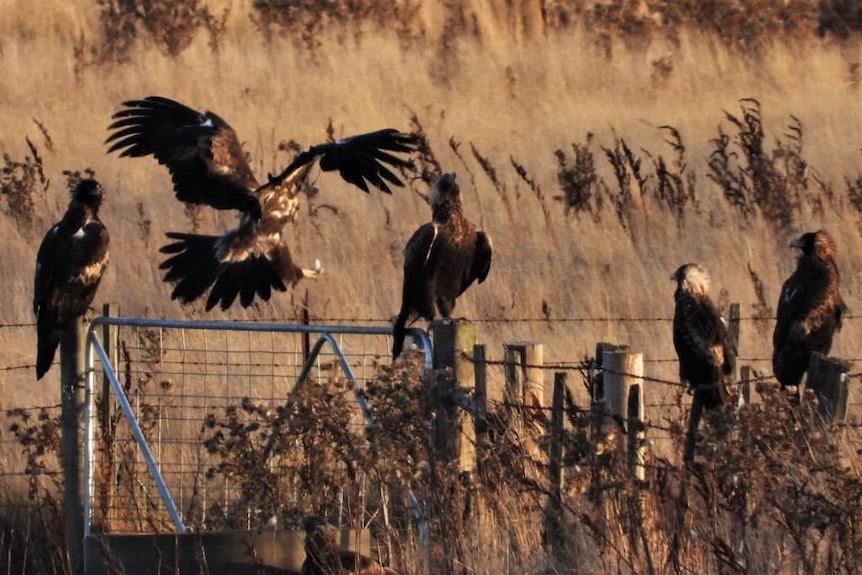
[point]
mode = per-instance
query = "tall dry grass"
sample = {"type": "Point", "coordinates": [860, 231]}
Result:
{"type": "Point", "coordinates": [510, 99]}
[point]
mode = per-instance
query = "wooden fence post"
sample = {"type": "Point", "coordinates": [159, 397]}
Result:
{"type": "Point", "coordinates": [454, 440]}
{"type": "Point", "coordinates": [480, 398]}
{"type": "Point", "coordinates": [827, 378]}
{"type": "Point", "coordinates": [745, 385]}
{"type": "Point", "coordinates": [553, 535]}
{"type": "Point", "coordinates": [623, 390]}
{"type": "Point", "coordinates": [733, 325]}
{"type": "Point", "coordinates": [525, 387]}
{"type": "Point", "coordinates": [72, 399]}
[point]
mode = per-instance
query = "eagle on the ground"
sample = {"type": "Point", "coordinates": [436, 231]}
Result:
{"type": "Point", "coordinates": [69, 267]}
{"type": "Point", "coordinates": [441, 260]}
{"type": "Point", "coordinates": [701, 337]}
{"type": "Point", "coordinates": [809, 308]}
{"type": "Point", "coordinates": [323, 555]}
{"type": "Point", "coordinates": [208, 166]}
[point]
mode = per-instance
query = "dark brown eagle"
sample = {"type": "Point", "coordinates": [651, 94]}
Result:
{"type": "Point", "coordinates": [69, 268]}
{"type": "Point", "coordinates": [809, 308]}
{"type": "Point", "coordinates": [208, 166]}
{"type": "Point", "coordinates": [441, 260]}
{"type": "Point", "coordinates": [703, 345]}
{"type": "Point", "coordinates": [700, 337]}
{"type": "Point", "coordinates": [323, 555]}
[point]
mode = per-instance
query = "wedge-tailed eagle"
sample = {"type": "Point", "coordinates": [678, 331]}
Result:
{"type": "Point", "coordinates": [441, 260]}
{"type": "Point", "coordinates": [703, 345]}
{"type": "Point", "coordinates": [323, 555]}
{"type": "Point", "coordinates": [208, 166]}
{"type": "Point", "coordinates": [809, 309]}
{"type": "Point", "coordinates": [69, 267]}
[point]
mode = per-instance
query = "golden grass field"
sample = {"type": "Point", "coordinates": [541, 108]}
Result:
{"type": "Point", "coordinates": [513, 94]}
{"type": "Point", "coordinates": [508, 90]}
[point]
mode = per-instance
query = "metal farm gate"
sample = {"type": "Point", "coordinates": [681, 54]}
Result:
{"type": "Point", "coordinates": [152, 386]}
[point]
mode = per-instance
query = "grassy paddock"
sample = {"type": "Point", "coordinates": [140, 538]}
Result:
{"type": "Point", "coordinates": [494, 89]}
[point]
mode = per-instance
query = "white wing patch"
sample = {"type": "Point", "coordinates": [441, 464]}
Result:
{"type": "Point", "coordinates": [79, 233]}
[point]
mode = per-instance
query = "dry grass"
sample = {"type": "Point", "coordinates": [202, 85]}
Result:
{"type": "Point", "coordinates": [513, 103]}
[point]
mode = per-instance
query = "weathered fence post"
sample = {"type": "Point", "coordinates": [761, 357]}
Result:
{"type": "Point", "coordinates": [745, 385]}
{"type": "Point", "coordinates": [454, 440]}
{"type": "Point", "coordinates": [72, 400]}
{"type": "Point", "coordinates": [733, 325]}
{"type": "Point", "coordinates": [525, 387]}
{"type": "Point", "coordinates": [827, 378]}
{"type": "Point", "coordinates": [553, 535]}
{"type": "Point", "coordinates": [480, 399]}
{"type": "Point", "coordinates": [624, 397]}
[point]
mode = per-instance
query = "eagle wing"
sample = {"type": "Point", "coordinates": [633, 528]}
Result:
{"type": "Point", "coordinates": [481, 263]}
{"type": "Point", "coordinates": [361, 159]}
{"type": "Point", "coordinates": [46, 266]}
{"type": "Point", "coordinates": [201, 151]}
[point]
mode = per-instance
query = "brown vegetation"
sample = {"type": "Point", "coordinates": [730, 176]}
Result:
{"type": "Point", "coordinates": [602, 144]}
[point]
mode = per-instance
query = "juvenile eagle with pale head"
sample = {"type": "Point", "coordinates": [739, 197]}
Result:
{"type": "Point", "coordinates": [69, 266]}
{"type": "Point", "coordinates": [441, 260]}
{"type": "Point", "coordinates": [208, 166]}
{"type": "Point", "coordinates": [809, 309]}
{"type": "Point", "coordinates": [700, 337]}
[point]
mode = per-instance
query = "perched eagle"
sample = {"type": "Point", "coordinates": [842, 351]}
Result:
{"type": "Point", "coordinates": [69, 267]}
{"type": "Point", "coordinates": [323, 555]}
{"type": "Point", "coordinates": [809, 308]}
{"type": "Point", "coordinates": [700, 337]}
{"type": "Point", "coordinates": [442, 258]}
{"type": "Point", "coordinates": [208, 166]}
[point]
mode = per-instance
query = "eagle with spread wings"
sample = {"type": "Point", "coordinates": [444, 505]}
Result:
{"type": "Point", "coordinates": [208, 166]}
{"type": "Point", "coordinates": [323, 555]}
{"type": "Point", "coordinates": [442, 259]}
{"type": "Point", "coordinates": [810, 308]}
{"type": "Point", "coordinates": [69, 266]}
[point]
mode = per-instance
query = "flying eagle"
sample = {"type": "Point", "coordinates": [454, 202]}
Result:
{"type": "Point", "coordinates": [441, 260]}
{"type": "Point", "coordinates": [69, 266]}
{"type": "Point", "coordinates": [703, 345]}
{"type": "Point", "coordinates": [809, 308]}
{"type": "Point", "coordinates": [323, 555]}
{"type": "Point", "coordinates": [208, 166]}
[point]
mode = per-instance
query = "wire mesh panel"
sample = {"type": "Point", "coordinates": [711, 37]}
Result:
{"type": "Point", "coordinates": [204, 397]}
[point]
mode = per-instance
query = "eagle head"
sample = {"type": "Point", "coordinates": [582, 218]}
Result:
{"type": "Point", "coordinates": [819, 244]}
{"type": "Point", "coordinates": [444, 187]}
{"type": "Point", "coordinates": [87, 191]}
{"type": "Point", "coordinates": [691, 278]}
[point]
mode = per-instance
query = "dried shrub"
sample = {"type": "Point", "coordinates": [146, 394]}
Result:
{"type": "Point", "coordinates": [578, 179]}
{"type": "Point", "coordinates": [631, 182]}
{"type": "Point", "coordinates": [20, 181]}
{"type": "Point", "coordinates": [169, 25]}
{"type": "Point", "coordinates": [756, 180]}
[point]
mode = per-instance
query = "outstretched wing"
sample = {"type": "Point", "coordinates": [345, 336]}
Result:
{"type": "Point", "coordinates": [360, 160]}
{"type": "Point", "coordinates": [201, 151]}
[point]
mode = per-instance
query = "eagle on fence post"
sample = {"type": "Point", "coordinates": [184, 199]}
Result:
{"type": "Point", "coordinates": [810, 308]}
{"type": "Point", "coordinates": [323, 555]}
{"type": "Point", "coordinates": [703, 346]}
{"type": "Point", "coordinates": [208, 166]}
{"type": "Point", "coordinates": [69, 267]}
{"type": "Point", "coordinates": [441, 260]}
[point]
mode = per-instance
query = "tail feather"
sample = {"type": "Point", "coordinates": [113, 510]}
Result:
{"type": "Point", "coordinates": [193, 268]}
{"type": "Point", "coordinates": [398, 332]}
{"type": "Point", "coordinates": [48, 339]}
